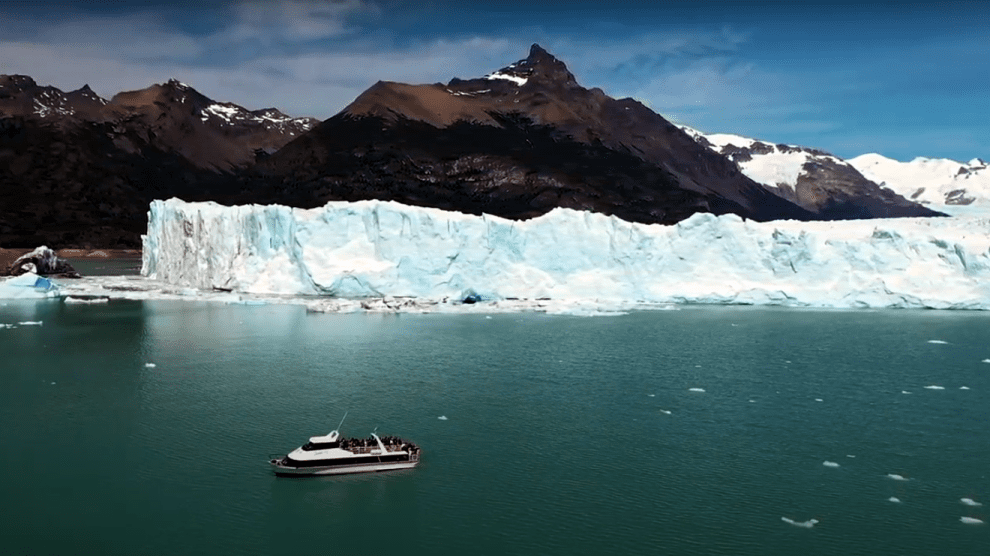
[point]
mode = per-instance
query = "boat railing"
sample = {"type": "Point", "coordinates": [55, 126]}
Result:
{"type": "Point", "coordinates": [369, 449]}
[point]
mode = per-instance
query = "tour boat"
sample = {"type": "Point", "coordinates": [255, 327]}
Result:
{"type": "Point", "coordinates": [333, 455]}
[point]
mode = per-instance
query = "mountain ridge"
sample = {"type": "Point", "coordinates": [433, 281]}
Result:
{"type": "Point", "coordinates": [79, 170]}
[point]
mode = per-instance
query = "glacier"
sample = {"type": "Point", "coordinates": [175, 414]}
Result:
{"type": "Point", "coordinates": [382, 250]}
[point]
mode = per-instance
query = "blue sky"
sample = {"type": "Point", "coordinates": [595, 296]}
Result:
{"type": "Point", "coordinates": [903, 79]}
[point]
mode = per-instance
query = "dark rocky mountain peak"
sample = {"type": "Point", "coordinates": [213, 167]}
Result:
{"type": "Point", "coordinates": [540, 68]}
{"type": "Point", "coordinates": [11, 84]}
{"type": "Point", "coordinates": [86, 99]}
{"type": "Point", "coordinates": [171, 92]}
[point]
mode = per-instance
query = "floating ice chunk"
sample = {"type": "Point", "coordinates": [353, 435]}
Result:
{"type": "Point", "coordinates": [652, 395]}
{"type": "Point", "coordinates": [971, 520]}
{"type": "Point", "coordinates": [897, 477]}
{"type": "Point", "coordinates": [830, 464]}
{"type": "Point", "coordinates": [806, 524]}
{"type": "Point", "coordinates": [86, 300]}
{"type": "Point", "coordinates": [696, 389]}
{"type": "Point", "coordinates": [934, 387]}
{"type": "Point", "coordinates": [697, 366]}
{"type": "Point", "coordinates": [850, 456]}
{"type": "Point", "coordinates": [488, 316]}
{"type": "Point", "coordinates": [752, 401]}
{"type": "Point", "coordinates": [818, 399]}
{"type": "Point", "coordinates": [894, 499]}
{"type": "Point", "coordinates": [937, 342]}
{"type": "Point", "coordinates": [905, 392]}
{"type": "Point", "coordinates": [27, 286]}
{"type": "Point", "coordinates": [442, 417]}
{"type": "Point", "coordinates": [149, 365]}
{"type": "Point", "coordinates": [665, 411]}
{"type": "Point", "coordinates": [53, 384]}
{"type": "Point", "coordinates": [30, 323]}
{"type": "Point", "coordinates": [967, 501]}
{"type": "Point", "coordinates": [986, 361]}
{"type": "Point", "coordinates": [964, 387]}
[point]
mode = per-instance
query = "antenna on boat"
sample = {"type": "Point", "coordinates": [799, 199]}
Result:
{"type": "Point", "coordinates": [342, 420]}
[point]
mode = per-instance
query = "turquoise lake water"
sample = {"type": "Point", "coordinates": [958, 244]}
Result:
{"type": "Point", "coordinates": [563, 435]}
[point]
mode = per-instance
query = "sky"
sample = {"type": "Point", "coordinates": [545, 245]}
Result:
{"type": "Point", "coordinates": [903, 79]}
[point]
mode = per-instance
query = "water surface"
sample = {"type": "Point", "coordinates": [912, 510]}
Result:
{"type": "Point", "coordinates": [564, 435]}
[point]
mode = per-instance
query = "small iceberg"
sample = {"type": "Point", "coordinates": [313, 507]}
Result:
{"type": "Point", "coordinates": [30, 323]}
{"type": "Point", "coordinates": [986, 360]}
{"type": "Point", "coordinates": [964, 387]}
{"type": "Point", "coordinates": [819, 399]}
{"type": "Point", "coordinates": [665, 411]}
{"type": "Point", "coordinates": [149, 365]}
{"type": "Point", "coordinates": [806, 524]}
{"type": "Point", "coordinates": [967, 501]}
{"type": "Point", "coordinates": [905, 392]}
{"type": "Point", "coordinates": [971, 520]}
{"type": "Point", "coordinates": [27, 286]}
{"type": "Point", "coordinates": [442, 418]}
{"type": "Point", "coordinates": [937, 342]}
{"type": "Point", "coordinates": [894, 499]}
{"type": "Point", "coordinates": [651, 395]}
{"type": "Point", "coordinates": [827, 463]}
{"type": "Point", "coordinates": [896, 477]}
{"type": "Point", "coordinates": [85, 300]}
{"type": "Point", "coordinates": [934, 387]}
{"type": "Point", "coordinates": [696, 389]}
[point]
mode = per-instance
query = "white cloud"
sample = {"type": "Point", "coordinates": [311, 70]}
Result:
{"type": "Point", "coordinates": [288, 21]}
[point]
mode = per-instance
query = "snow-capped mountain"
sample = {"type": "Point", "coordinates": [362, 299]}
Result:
{"type": "Point", "coordinates": [942, 184]}
{"type": "Point", "coordinates": [77, 169]}
{"type": "Point", "coordinates": [814, 179]}
{"type": "Point", "coordinates": [21, 96]}
{"type": "Point", "coordinates": [517, 142]}
{"type": "Point", "coordinates": [169, 116]}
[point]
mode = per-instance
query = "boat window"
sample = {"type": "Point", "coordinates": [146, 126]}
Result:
{"type": "Point", "coordinates": [310, 446]}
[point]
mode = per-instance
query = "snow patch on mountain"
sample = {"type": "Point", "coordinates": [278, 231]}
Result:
{"type": "Point", "coordinates": [945, 185]}
{"type": "Point", "coordinates": [269, 118]}
{"type": "Point", "coordinates": [771, 165]}
{"type": "Point", "coordinates": [514, 78]}
{"type": "Point", "coordinates": [379, 248]}
{"type": "Point", "coordinates": [226, 113]}
{"type": "Point", "coordinates": [51, 102]}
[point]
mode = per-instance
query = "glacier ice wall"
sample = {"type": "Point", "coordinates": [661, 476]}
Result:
{"type": "Point", "coordinates": [379, 248]}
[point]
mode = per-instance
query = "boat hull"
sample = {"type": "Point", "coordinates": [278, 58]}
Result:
{"type": "Point", "coordinates": [341, 469]}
